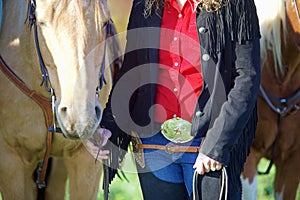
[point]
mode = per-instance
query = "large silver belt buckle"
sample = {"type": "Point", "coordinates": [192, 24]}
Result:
{"type": "Point", "coordinates": [177, 130]}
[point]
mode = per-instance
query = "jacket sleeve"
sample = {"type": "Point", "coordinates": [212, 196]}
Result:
{"type": "Point", "coordinates": [234, 115]}
{"type": "Point", "coordinates": [120, 139]}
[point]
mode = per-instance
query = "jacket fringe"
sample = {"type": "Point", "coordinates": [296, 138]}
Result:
{"type": "Point", "coordinates": [117, 145]}
{"type": "Point", "coordinates": [237, 20]}
{"type": "Point", "coordinates": [241, 151]}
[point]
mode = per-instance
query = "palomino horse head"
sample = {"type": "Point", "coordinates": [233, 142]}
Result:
{"type": "Point", "coordinates": [72, 37]}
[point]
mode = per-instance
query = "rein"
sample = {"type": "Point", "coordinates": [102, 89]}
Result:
{"type": "Point", "coordinates": [283, 107]}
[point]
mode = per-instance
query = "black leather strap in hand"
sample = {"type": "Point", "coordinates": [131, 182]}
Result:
{"type": "Point", "coordinates": [206, 186]}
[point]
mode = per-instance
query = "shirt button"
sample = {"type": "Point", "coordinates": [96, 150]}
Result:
{"type": "Point", "coordinates": [180, 15]}
{"type": "Point", "coordinates": [176, 64]}
{"type": "Point", "coordinates": [205, 57]}
{"type": "Point", "coordinates": [175, 89]}
{"type": "Point", "coordinates": [199, 114]}
{"type": "Point", "coordinates": [175, 38]}
{"type": "Point", "coordinates": [202, 30]}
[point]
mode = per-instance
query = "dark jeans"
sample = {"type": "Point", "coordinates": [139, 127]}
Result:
{"type": "Point", "coordinates": [156, 189]}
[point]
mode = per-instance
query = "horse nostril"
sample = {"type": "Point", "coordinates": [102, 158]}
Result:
{"type": "Point", "coordinates": [63, 109]}
{"type": "Point", "coordinates": [98, 111]}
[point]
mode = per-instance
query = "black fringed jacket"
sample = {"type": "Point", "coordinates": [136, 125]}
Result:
{"type": "Point", "coordinates": [226, 109]}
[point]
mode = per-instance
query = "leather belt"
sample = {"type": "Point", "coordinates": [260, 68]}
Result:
{"type": "Point", "coordinates": [170, 148]}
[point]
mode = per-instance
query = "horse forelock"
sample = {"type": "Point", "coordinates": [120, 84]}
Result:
{"type": "Point", "coordinates": [77, 26]}
{"type": "Point", "coordinates": [271, 21]}
{"type": "Point", "coordinates": [82, 12]}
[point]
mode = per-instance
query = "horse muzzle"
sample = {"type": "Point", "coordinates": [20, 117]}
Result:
{"type": "Point", "coordinates": [80, 124]}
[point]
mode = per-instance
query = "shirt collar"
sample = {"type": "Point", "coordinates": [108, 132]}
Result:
{"type": "Point", "coordinates": [193, 3]}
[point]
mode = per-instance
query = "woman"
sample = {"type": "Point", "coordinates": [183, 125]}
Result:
{"type": "Point", "coordinates": [186, 95]}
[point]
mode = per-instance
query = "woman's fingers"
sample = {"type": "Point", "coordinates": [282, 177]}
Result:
{"type": "Point", "coordinates": [96, 153]}
{"type": "Point", "coordinates": [103, 154]}
{"type": "Point", "coordinates": [218, 166]}
{"type": "Point", "coordinates": [199, 168]}
{"type": "Point", "coordinates": [213, 166]}
{"type": "Point", "coordinates": [204, 164]}
{"type": "Point", "coordinates": [105, 135]}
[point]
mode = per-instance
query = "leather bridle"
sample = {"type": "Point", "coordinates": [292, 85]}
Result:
{"type": "Point", "coordinates": [283, 107]}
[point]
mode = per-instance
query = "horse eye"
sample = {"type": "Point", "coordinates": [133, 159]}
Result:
{"type": "Point", "coordinates": [107, 26]}
{"type": "Point", "coordinates": [42, 24]}
{"type": "Point", "coordinates": [104, 24]}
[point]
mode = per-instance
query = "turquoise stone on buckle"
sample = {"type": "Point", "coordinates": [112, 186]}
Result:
{"type": "Point", "coordinates": [177, 130]}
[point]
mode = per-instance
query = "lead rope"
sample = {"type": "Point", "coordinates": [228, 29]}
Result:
{"type": "Point", "coordinates": [224, 185]}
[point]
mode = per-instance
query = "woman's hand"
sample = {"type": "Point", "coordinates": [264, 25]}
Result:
{"type": "Point", "coordinates": [205, 164]}
{"type": "Point", "coordinates": [94, 145]}
{"type": "Point", "coordinates": [96, 152]}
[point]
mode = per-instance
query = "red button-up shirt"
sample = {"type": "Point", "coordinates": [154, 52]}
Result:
{"type": "Point", "coordinates": [180, 78]}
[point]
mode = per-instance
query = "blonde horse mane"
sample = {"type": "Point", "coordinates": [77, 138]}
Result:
{"type": "Point", "coordinates": [271, 20]}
